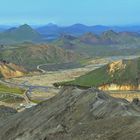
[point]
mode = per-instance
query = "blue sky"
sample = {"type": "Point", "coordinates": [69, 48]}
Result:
{"type": "Point", "coordinates": [67, 12]}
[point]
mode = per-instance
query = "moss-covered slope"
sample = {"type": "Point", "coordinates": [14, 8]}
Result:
{"type": "Point", "coordinates": [121, 72]}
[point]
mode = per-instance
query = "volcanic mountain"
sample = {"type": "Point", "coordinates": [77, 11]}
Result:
{"type": "Point", "coordinates": [75, 114]}
{"type": "Point", "coordinates": [19, 34]}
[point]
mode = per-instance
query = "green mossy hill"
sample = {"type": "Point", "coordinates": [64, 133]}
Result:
{"type": "Point", "coordinates": [31, 55]}
{"type": "Point", "coordinates": [118, 72]}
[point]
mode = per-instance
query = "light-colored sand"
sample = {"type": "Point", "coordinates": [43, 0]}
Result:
{"type": "Point", "coordinates": [51, 77]}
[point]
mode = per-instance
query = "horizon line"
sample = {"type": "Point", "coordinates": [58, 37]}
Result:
{"type": "Point", "coordinates": [66, 25]}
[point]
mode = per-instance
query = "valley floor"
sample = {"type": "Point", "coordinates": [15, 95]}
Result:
{"type": "Point", "coordinates": [41, 85]}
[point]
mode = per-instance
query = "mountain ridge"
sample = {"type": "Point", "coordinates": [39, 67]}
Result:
{"type": "Point", "coordinates": [78, 29]}
{"type": "Point", "coordinates": [75, 114]}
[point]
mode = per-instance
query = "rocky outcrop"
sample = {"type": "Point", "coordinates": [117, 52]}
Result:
{"type": "Point", "coordinates": [75, 114]}
{"type": "Point", "coordinates": [10, 70]}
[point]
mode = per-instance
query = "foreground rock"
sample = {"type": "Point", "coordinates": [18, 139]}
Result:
{"type": "Point", "coordinates": [6, 112]}
{"type": "Point", "coordinates": [76, 114]}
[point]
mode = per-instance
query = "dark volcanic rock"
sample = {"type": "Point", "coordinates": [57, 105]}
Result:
{"type": "Point", "coordinates": [6, 111]}
{"type": "Point", "coordinates": [75, 114]}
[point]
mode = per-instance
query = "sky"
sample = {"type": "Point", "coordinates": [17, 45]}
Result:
{"type": "Point", "coordinates": [67, 12]}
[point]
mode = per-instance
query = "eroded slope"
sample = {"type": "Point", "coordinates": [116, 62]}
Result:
{"type": "Point", "coordinates": [75, 114]}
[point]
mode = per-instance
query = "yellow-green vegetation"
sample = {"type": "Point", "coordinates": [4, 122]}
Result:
{"type": "Point", "coordinates": [36, 101]}
{"type": "Point", "coordinates": [12, 90]}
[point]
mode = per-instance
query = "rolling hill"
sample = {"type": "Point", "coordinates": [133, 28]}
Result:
{"type": "Point", "coordinates": [31, 55]}
{"type": "Point", "coordinates": [119, 75]}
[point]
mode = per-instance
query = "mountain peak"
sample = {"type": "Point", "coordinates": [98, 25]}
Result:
{"type": "Point", "coordinates": [109, 32]}
{"type": "Point", "coordinates": [78, 25]}
{"type": "Point", "coordinates": [20, 34]}
{"type": "Point", "coordinates": [51, 25]}
{"type": "Point", "coordinates": [89, 34]}
{"type": "Point", "coordinates": [25, 26]}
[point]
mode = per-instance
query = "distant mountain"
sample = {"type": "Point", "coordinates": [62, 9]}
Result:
{"type": "Point", "coordinates": [76, 29]}
{"type": "Point", "coordinates": [132, 28]}
{"type": "Point", "coordinates": [79, 29]}
{"type": "Point", "coordinates": [118, 75]}
{"type": "Point", "coordinates": [68, 37]}
{"type": "Point", "coordinates": [53, 31]}
{"type": "Point", "coordinates": [110, 37]}
{"type": "Point", "coordinates": [30, 55]}
{"type": "Point", "coordinates": [50, 29]}
{"type": "Point", "coordinates": [104, 44]}
{"type": "Point", "coordinates": [19, 34]}
{"type": "Point", "coordinates": [90, 38]}
{"type": "Point", "coordinates": [4, 27]}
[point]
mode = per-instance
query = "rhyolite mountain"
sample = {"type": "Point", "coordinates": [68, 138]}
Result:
{"type": "Point", "coordinates": [108, 43]}
{"type": "Point", "coordinates": [75, 114]}
{"type": "Point", "coordinates": [11, 70]}
{"type": "Point", "coordinates": [118, 75]}
{"type": "Point", "coordinates": [30, 55]}
{"type": "Point", "coordinates": [19, 34]}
